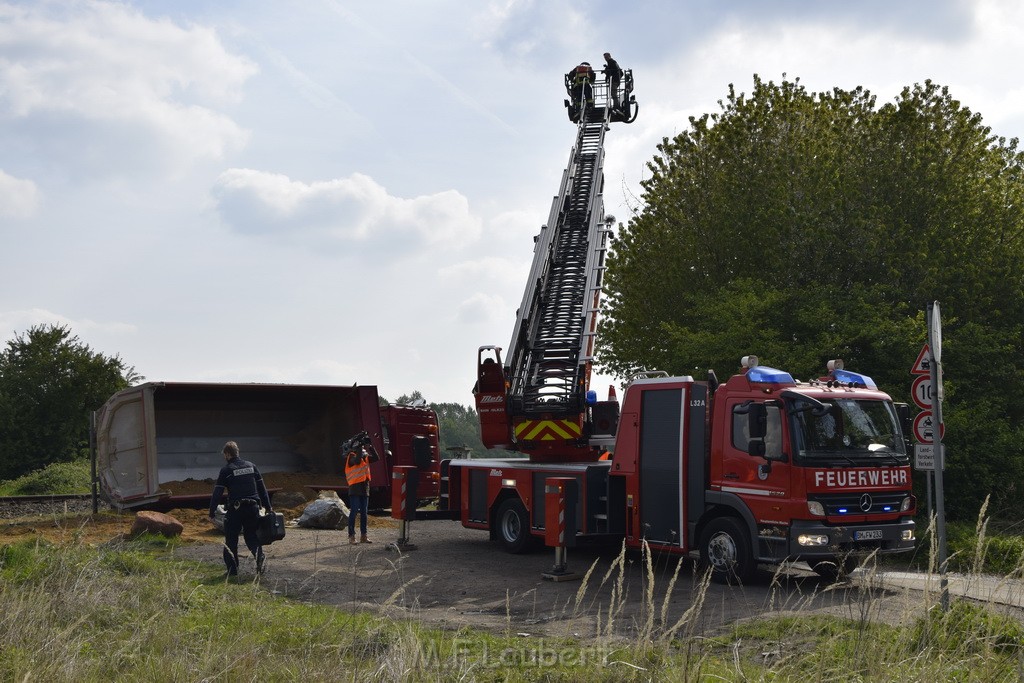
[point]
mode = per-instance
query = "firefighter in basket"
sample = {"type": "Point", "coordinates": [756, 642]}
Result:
{"type": "Point", "coordinates": [579, 84]}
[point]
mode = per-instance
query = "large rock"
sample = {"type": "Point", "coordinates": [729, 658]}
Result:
{"type": "Point", "coordinates": [326, 512]}
{"type": "Point", "coordinates": [156, 523]}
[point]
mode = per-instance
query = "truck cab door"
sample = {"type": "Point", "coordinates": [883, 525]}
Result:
{"type": "Point", "coordinates": [764, 482]}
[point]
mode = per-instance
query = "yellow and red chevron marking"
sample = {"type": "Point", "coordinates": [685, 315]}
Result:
{"type": "Point", "coordinates": [548, 430]}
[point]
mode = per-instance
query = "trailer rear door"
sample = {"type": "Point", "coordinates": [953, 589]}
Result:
{"type": "Point", "coordinates": [125, 435]}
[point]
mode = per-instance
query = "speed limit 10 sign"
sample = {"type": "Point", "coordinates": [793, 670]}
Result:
{"type": "Point", "coordinates": [921, 390]}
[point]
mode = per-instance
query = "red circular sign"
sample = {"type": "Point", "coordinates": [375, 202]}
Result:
{"type": "Point", "coordinates": [924, 427]}
{"type": "Point", "coordinates": [922, 391]}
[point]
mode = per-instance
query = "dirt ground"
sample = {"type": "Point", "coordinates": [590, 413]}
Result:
{"type": "Point", "coordinates": [457, 578]}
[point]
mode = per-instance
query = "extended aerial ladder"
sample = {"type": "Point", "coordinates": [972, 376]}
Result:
{"type": "Point", "coordinates": [536, 401]}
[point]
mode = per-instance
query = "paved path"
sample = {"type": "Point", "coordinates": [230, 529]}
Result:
{"type": "Point", "coordinates": [1004, 591]}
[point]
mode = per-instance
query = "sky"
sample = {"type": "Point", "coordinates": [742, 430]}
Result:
{"type": "Point", "coordinates": [331, 192]}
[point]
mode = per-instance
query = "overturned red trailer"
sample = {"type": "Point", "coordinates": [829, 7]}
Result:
{"type": "Point", "coordinates": [152, 437]}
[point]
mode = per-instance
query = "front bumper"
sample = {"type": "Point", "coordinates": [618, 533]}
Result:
{"type": "Point", "coordinates": [888, 537]}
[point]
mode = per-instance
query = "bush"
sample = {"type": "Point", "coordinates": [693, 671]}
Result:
{"type": "Point", "coordinates": [55, 479]}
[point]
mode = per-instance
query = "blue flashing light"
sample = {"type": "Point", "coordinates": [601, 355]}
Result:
{"type": "Point", "coordinates": [843, 511]}
{"type": "Point", "coordinates": [855, 377]}
{"type": "Point", "coordinates": [763, 373]}
{"type": "Point", "coordinates": [591, 397]}
{"type": "Point", "coordinates": [887, 508]}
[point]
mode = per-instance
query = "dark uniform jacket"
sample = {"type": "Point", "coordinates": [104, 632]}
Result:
{"type": "Point", "coordinates": [244, 484]}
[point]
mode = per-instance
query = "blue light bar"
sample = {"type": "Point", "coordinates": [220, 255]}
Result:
{"type": "Point", "coordinates": [763, 373]}
{"type": "Point", "coordinates": [856, 377]}
{"type": "Point", "coordinates": [842, 511]}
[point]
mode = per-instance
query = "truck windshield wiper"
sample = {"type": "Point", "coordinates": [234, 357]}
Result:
{"type": "Point", "coordinates": [894, 458]}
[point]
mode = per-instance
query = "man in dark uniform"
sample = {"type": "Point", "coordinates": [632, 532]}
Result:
{"type": "Point", "coordinates": [246, 493]}
{"type": "Point", "coordinates": [612, 74]}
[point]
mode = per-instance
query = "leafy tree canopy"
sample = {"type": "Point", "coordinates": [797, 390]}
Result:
{"type": "Point", "coordinates": [50, 382]}
{"type": "Point", "coordinates": [805, 226]}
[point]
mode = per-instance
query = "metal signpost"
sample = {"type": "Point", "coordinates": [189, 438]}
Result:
{"type": "Point", "coordinates": [935, 373]}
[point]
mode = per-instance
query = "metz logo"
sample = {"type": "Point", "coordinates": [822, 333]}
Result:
{"type": "Point", "coordinates": [854, 478]}
{"type": "Point", "coordinates": [495, 473]}
{"type": "Point", "coordinates": [492, 399]}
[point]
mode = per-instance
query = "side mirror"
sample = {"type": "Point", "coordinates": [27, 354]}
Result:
{"type": "Point", "coordinates": [756, 448]}
{"type": "Point", "coordinates": [757, 421]}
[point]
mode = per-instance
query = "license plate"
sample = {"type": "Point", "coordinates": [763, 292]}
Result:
{"type": "Point", "coordinates": [867, 535]}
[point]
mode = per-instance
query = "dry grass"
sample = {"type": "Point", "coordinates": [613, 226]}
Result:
{"type": "Point", "coordinates": [130, 611]}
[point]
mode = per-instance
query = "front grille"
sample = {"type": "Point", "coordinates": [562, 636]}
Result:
{"type": "Point", "coordinates": [883, 503]}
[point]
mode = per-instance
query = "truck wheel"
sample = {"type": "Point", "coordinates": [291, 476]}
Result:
{"type": "Point", "coordinates": [725, 550]}
{"type": "Point", "coordinates": [513, 526]}
{"type": "Point", "coordinates": [834, 568]}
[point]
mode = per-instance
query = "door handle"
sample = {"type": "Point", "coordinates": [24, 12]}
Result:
{"type": "Point", "coordinates": [731, 475]}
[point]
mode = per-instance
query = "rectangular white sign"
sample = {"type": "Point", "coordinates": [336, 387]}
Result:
{"type": "Point", "coordinates": [924, 457]}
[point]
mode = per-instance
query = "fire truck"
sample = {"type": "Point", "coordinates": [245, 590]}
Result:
{"type": "Point", "coordinates": [761, 468]}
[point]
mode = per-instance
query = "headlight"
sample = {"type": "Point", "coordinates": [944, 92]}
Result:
{"type": "Point", "coordinates": [812, 539]}
{"type": "Point", "coordinates": [905, 505]}
{"type": "Point", "coordinates": [907, 535]}
{"type": "Point", "coordinates": [816, 508]}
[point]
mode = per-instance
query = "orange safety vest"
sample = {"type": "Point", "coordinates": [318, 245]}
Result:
{"type": "Point", "coordinates": [358, 472]}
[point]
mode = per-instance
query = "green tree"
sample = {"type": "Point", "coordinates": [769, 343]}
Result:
{"type": "Point", "coordinates": [459, 427]}
{"type": "Point", "coordinates": [805, 226]}
{"type": "Point", "coordinates": [50, 382]}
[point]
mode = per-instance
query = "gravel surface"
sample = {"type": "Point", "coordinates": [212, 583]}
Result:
{"type": "Point", "coordinates": [458, 578]}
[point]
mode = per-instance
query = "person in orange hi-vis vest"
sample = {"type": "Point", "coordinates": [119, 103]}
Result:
{"type": "Point", "coordinates": [359, 453]}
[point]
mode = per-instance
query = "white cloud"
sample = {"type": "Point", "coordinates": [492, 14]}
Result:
{"type": "Point", "coordinates": [482, 308]}
{"type": "Point", "coordinates": [531, 31]}
{"type": "Point", "coordinates": [315, 371]}
{"type": "Point", "coordinates": [20, 321]}
{"type": "Point", "coordinates": [119, 82]}
{"type": "Point", "coordinates": [345, 212]}
{"type": "Point", "coordinates": [490, 268]}
{"type": "Point", "coordinates": [19, 198]}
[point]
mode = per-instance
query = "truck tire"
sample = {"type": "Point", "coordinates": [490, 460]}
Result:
{"type": "Point", "coordinates": [513, 526]}
{"type": "Point", "coordinates": [725, 550]}
{"type": "Point", "coordinates": [834, 568]}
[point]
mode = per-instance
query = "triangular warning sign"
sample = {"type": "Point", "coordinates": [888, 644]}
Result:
{"type": "Point", "coordinates": [922, 366]}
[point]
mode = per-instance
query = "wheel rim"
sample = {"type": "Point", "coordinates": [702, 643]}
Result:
{"type": "Point", "coordinates": [722, 552]}
{"type": "Point", "coordinates": [510, 527]}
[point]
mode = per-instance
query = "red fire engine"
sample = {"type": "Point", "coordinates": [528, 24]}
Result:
{"type": "Point", "coordinates": [761, 468]}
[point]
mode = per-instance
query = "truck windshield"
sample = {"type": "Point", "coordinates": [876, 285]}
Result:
{"type": "Point", "coordinates": [847, 430]}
